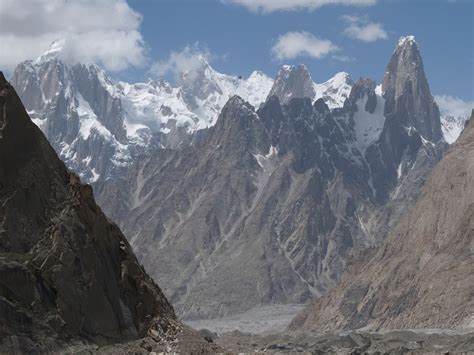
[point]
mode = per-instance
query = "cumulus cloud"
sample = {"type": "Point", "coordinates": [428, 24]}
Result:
{"type": "Point", "coordinates": [104, 31]}
{"type": "Point", "coordinates": [187, 61]}
{"type": "Point", "coordinates": [267, 6]}
{"type": "Point", "coordinates": [454, 106]}
{"type": "Point", "coordinates": [295, 44]}
{"type": "Point", "coordinates": [362, 29]}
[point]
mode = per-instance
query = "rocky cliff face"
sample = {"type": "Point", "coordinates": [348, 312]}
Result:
{"type": "Point", "coordinates": [270, 205]}
{"type": "Point", "coordinates": [76, 109]}
{"type": "Point", "coordinates": [292, 82]}
{"type": "Point", "coordinates": [67, 274]}
{"type": "Point", "coordinates": [423, 274]}
{"type": "Point", "coordinates": [407, 92]}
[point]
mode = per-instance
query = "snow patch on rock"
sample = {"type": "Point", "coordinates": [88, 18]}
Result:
{"type": "Point", "coordinates": [368, 126]}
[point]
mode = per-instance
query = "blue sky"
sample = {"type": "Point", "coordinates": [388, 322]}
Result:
{"type": "Point", "coordinates": [240, 40]}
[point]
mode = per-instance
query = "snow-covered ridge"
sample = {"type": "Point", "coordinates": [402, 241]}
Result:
{"type": "Point", "coordinates": [158, 106]}
{"type": "Point", "coordinates": [336, 90]}
{"type": "Point", "coordinates": [54, 49]}
{"type": "Point", "coordinates": [195, 104]}
{"type": "Point", "coordinates": [106, 123]}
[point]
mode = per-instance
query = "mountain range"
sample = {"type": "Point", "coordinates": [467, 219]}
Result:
{"type": "Point", "coordinates": [99, 127]}
{"type": "Point", "coordinates": [236, 193]}
{"type": "Point", "coordinates": [268, 204]}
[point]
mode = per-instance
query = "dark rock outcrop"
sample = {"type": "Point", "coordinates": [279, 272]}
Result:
{"type": "Point", "coordinates": [66, 272]}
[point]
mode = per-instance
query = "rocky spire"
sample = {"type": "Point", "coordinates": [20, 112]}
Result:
{"type": "Point", "coordinates": [293, 81]}
{"type": "Point", "coordinates": [238, 130]}
{"type": "Point", "coordinates": [407, 92]}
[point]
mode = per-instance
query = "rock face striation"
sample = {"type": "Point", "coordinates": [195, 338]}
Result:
{"type": "Point", "coordinates": [270, 204]}
{"type": "Point", "coordinates": [66, 272]}
{"type": "Point", "coordinates": [422, 276]}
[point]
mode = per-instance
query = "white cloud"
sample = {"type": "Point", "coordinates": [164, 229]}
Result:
{"type": "Point", "coordinates": [454, 106]}
{"type": "Point", "coordinates": [295, 44]}
{"type": "Point", "coordinates": [267, 6]}
{"type": "Point", "coordinates": [342, 58]}
{"type": "Point", "coordinates": [104, 31]}
{"type": "Point", "coordinates": [363, 30]}
{"type": "Point", "coordinates": [188, 61]}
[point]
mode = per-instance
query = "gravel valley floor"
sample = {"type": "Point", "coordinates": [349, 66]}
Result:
{"type": "Point", "coordinates": [263, 330]}
{"type": "Point", "coordinates": [357, 342]}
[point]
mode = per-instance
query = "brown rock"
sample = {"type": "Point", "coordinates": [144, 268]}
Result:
{"type": "Point", "coordinates": [66, 272]}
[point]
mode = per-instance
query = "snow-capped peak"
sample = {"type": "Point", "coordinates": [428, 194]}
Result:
{"type": "Point", "coordinates": [52, 52]}
{"type": "Point", "coordinates": [335, 91]}
{"type": "Point", "coordinates": [285, 68]}
{"type": "Point", "coordinates": [403, 40]}
{"type": "Point", "coordinates": [341, 78]}
{"type": "Point", "coordinates": [292, 81]}
{"type": "Point", "coordinates": [257, 74]}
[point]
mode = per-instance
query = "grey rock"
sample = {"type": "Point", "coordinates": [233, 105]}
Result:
{"type": "Point", "coordinates": [407, 92]}
{"type": "Point", "coordinates": [292, 82]}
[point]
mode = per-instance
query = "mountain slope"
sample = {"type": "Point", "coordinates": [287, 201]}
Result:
{"type": "Point", "coordinates": [240, 202]}
{"type": "Point", "coordinates": [423, 274]}
{"type": "Point", "coordinates": [67, 274]}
